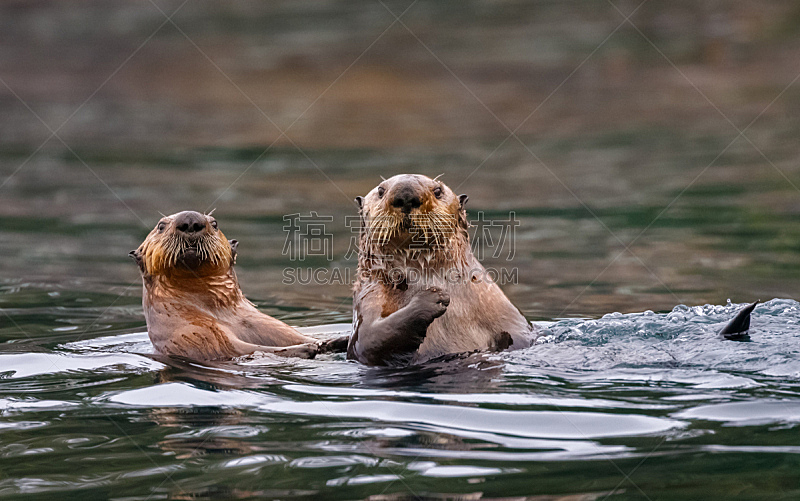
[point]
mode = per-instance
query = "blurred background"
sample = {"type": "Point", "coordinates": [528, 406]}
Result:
{"type": "Point", "coordinates": [650, 161]}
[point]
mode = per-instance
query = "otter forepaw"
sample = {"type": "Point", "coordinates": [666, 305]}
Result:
{"type": "Point", "coordinates": [336, 345]}
{"type": "Point", "coordinates": [434, 301]}
{"type": "Point", "coordinates": [307, 350]}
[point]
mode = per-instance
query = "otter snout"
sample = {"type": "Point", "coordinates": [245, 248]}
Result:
{"type": "Point", "coordinates": [406, 199]}
{"type": "Point", "coordinates": [190, 223]}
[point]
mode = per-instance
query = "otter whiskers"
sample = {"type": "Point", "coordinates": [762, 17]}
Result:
{"type": "Point", "coordinates": [206, 247]}
{"type": "Point", "coordinates": [383, 227]}
{"type": "Point", "coordinates": [429, 230]}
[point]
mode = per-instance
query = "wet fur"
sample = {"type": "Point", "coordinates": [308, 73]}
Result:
{"type": "Point", "coordinates": [397, 321]}
{"type": "Point", "coordinates": [193, 304]}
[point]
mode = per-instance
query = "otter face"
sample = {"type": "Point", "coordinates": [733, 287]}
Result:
{"type": "Point", "coordinates": [412, 211]}
{"type": "Point", "coordinates": [185, 242]}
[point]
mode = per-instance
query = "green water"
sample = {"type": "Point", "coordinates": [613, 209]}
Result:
{"type": "Point", "coordinates": [635, 407]}
{"type": "Point", "coordinates": [654, 165]}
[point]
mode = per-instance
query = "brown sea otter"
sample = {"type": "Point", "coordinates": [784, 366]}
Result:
{"type": "Point", "coordinates": [192, 301]}
{"type": "Point", "coordinates": [420, 292]}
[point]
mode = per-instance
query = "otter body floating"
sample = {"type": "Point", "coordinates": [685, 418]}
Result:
{"type": "Point", "coordinates": [192, 301]}
{"type": "Point", "coordinates": [738, 329]}
{"type": "Point", "coordinates": [420, 292]}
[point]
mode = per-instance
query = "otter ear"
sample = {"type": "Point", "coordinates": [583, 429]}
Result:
{"type": "Point", "coordinates": [359, 202]}
{"type": "Point", "coordinates": [462, 212]}
{"type": "Point", "coordinates": [234, 245]}
{"type": "Point", "coordinates": [137, 256]}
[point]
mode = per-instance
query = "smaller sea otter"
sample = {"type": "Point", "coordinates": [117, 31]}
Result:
{"type": "Point", "coordinates": [420, 292]}
{"type": "Point", "coordinates": [192, 301]}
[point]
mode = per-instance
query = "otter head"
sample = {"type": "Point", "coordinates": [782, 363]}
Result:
{"type": "Point", "coordinates": [185, 244]}
{"type": "Point", "coordinates": [412, 213]}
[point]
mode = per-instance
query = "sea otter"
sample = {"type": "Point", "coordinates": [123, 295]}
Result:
{"type": "Point", "coordinates": [192, 301]}
{"type": "Point", "coordinates": [420, 293]}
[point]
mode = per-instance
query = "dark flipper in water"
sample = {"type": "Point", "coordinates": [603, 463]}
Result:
{"type": "Point", "coordinates": [738, 329]}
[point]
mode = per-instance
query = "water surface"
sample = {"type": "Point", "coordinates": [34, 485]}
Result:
{"type": "Point", "coordinates": [627, 406]}
{"type": "Point", "coordinates": [634, 188]}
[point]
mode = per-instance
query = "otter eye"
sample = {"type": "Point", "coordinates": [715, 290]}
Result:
{"type": "Point", "coordinates": [214, 224]}
{"type": "Point", "coordinates": [437, 192]}
{"type": "Point", "coordinates": [381, 191]}
{"type": "Point", "coordinates": [161, 226]}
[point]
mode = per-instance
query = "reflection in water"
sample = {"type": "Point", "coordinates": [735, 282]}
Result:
{"type": "Point", "coordinates": [479, 496]}
{"type": "Point", "coordinates": [594, 398]}
{"type": "Point", "coordinates": [214, 431]}
{"type": "Point", "coordinates": [452, 373]}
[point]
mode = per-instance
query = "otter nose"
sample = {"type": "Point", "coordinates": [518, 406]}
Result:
{"type": "Point", "coordinates": [190, 222]}
{"type": "Point", "coordinates": [406, 200]}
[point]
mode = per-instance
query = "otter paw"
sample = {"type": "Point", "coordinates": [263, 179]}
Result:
{"type": "Point", "coordinates": [433, 300]}
{"type": "Point", "coordinates": [335, 345]}
{"type": "Point", "coordinates": [307, 350]}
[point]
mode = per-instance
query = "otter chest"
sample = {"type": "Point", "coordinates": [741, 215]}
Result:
{"type": "Point", "coordinates": [467, 325]}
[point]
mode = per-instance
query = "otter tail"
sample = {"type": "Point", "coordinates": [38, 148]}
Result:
{"type": "Point", "coordinates": [738, 329]}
